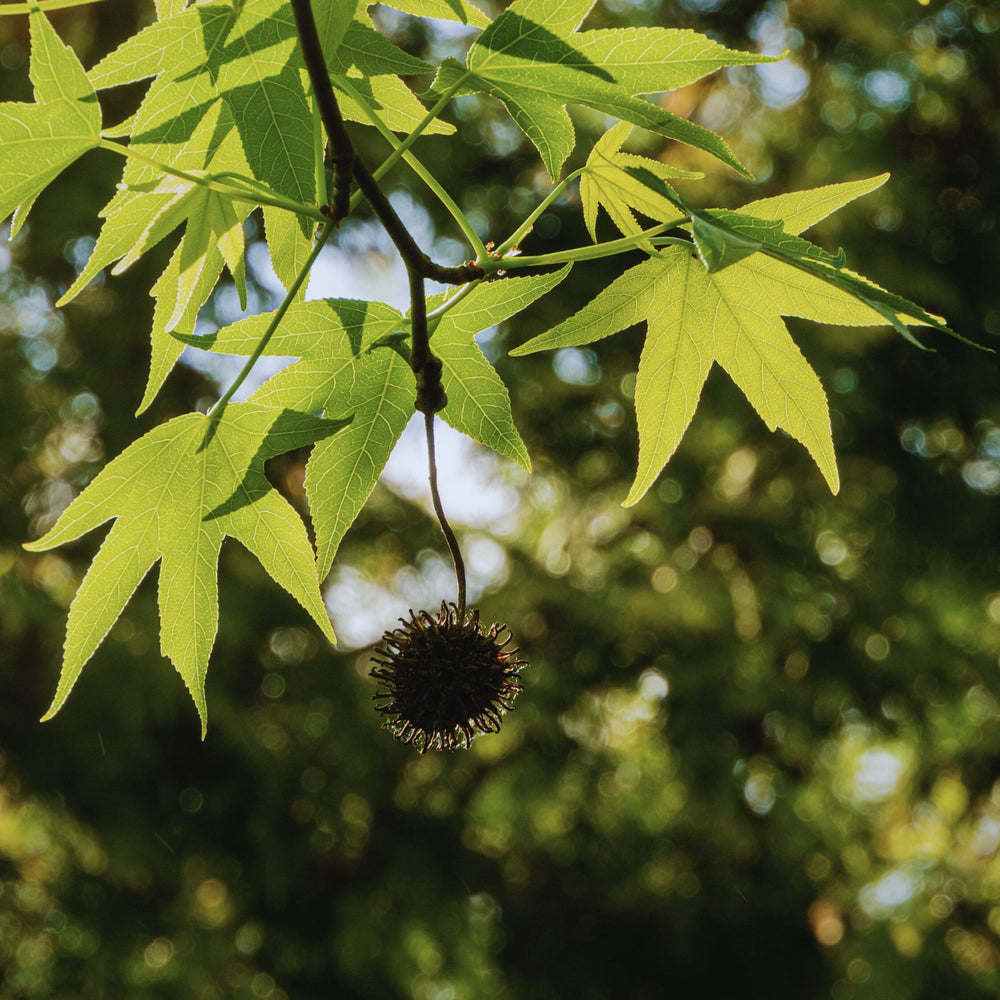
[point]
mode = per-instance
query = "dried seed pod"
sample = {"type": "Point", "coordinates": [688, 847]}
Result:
{"type": "Point", "coordinates": [443, 678]}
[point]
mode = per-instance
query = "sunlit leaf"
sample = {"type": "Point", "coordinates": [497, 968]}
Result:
{"type": "Point", "coordinates": [176, 493]}
{"type": "Point", "coordinates": [40, 140]}
{"type": "Point", "coordinates": [533, 59]}
{"type": "Point", "coordinates": [608, 183]}
{"type": "Point", "coordinates": [697, 315]}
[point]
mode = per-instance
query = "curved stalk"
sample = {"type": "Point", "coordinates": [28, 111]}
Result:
{"type": "Point", "coordinates": [259, 194]}
{"type": "Point", "coordinates": [456, 552]}
{"type": "Point", "coordinates": [522, 230]}
{"type": "Point", "coordinates": [453, 301]}
{"type": "Point", "coordinates": [595, 252]}
{"type": "Point", "coordinates": [279, 315]}
{"type": "Point", "coordinates": [401, 150]}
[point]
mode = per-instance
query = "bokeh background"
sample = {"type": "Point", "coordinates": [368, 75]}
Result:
{"type": "Point", "coordinates": [758, 752]}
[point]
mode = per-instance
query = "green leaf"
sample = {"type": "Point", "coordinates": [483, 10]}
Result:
{"type": "Point", "coordinates": [149, 205]}
{"type": "Point", "coordinates": [531, 59]}
{"type": "Point", "coordinates": [245, 53]}
{"type": "Point", "coordinates": [140, 216]}
{"type": "Point", "coordinates": [616, 181]}
{"type": "Point", "coordinates": [372, 54]}
{"type": "Point", "coordinates": [391, 101]}
{"type": "Point", "coordinates": [341, 476]}
{"type": "Point", "coordinates": [719, 246]}
{"type": "Point", "coordinates": [167, 8]}
{"type": "Point", "coordinates": [385, 95]}
{"type": "Point", "coordinates": [40, 140]}
{"type": "Point", "coordinates": [801, 210]}
{"type": "Point", "coordinates": [351, 365]}
{"type": "Point", "coordinates": [696, 317]}
{"type": "Point", "coordinates": [445, 10]}
{"type": "Point", "coordinates": [262, 86]}
{"type": "Point", "coordinates": [478, 401]}
{"type": "Point", "coordinates": [165, 348]}
{"type": "Point", "coordinates": [649, 60]}
{"type": "Point", "coordinates": [176, 493]}
{"type": "Point", "coordinates": [213, 236]}
{"type": "Point", "coordinates": [805, 209]}
{"type": "Point", "coordinates": [182, 43]}
{"type": "Point", "coordinates": [332, 22]}
{"type": "Point", "coordinates": [342, 373]}
{"type": "Point", "coordinates": [723, 237]}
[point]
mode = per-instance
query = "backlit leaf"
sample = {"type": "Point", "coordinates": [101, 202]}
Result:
{"type": "Point", "coordinates": [731, 315]}
{"type": "Point", "coordinates": [40, 140]}
{"type": "Point", "coordinates": [175, 494]}
{"type": "Point", "coordinates": [533, 59]}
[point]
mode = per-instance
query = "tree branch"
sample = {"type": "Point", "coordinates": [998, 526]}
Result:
{"type": "Point", "coordinates": [426, 366]}
{"type": "Point", "coordinates": [341, 147]}
{"type": "Point", "coordinates": [344, 159]}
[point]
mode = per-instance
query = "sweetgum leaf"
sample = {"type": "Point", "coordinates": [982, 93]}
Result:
{"type": "Point", "coordinates": [620, 183]}
{"type": "Point", "coordinates": [697, 315]}
{"type": "Point", "coordinates": [175, 494]}
{"type": "Point", "coordinates": [40, 140]}
{"type": "Point", "coordinates": [534, 60]}
{"type": "Point", "coordinates": [448, 10]}
{"type": "Point", "coordinates": [352, 366]}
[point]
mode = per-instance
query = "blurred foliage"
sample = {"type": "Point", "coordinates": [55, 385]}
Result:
{"type": "Point", "coordinates": [759, 747]}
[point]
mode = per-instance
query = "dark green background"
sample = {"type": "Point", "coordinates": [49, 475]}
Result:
{"type": "Point", "coordinates": [758, 750]}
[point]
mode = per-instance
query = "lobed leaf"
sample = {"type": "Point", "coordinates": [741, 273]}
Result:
{"type": "Point", "coordinates": [478, 402]}
{"type": "Point", "coordinates": [616, 181]}
{"type": "Point", "coordinates": [725, 307]}
{"type": "Point", "coordinates": [446, 10]}
{"type": "Point", "coordinates": [175, 495]}
{"type": "Point", "coordinates": [533, 59]}
{"type": "Point", "coordinates": [40, 140]}
{"type": "Point", "coordinates": [352, 365]}
{"type": "Point", "coordinates": [342, 373]}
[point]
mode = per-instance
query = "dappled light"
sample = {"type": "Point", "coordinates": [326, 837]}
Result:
{"type": "Point", "coordinates": [759, 736]}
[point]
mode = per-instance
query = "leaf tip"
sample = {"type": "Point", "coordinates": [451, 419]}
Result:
{"type": "Point", "coordinates": [636, 493]}
{"type": "Point", "coordinates": [326, 627]}
{"type": "Point", "coordinates": [57, 702]}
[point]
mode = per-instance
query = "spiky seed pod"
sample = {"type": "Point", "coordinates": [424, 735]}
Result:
{"type": "Point", "coordinates": [442, 679]}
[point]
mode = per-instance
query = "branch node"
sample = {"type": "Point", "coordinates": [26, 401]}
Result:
{"type": "Point", "coordinates": [431, 396]}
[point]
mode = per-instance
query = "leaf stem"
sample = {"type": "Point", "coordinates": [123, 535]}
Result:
{"type": "Point", "coordinates": [319, 164]}
{"type": "Point", "coordinates": [279, 315]}
{"type": "Point", "coordinates": [456, 552]}
{"type": "Point", "coordinates": [401, 150]}
{"type": "Point", "coordinates": [594, 252]}
{"type": "Point", "coordinates": [413, 257]}
{"type": "Point", "coordinates": [522, 230]}
{"type": "Point", "coordinates": [258, 193]}
{"type": "Point", "coordinates": [453, 301]}
{"type": "Point", "coordinates": [426, 367]}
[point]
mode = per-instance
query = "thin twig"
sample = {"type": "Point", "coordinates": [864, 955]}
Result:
{"type": "Point", "coordinates": [341, 147]}
{"type": "Point", "coordinates": [426, 367]}
{"type": "Point", "coordinates": [456, 552]}
{"type": "Point", "coordinates": [343, 153]}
